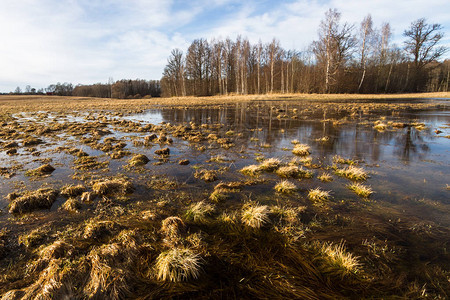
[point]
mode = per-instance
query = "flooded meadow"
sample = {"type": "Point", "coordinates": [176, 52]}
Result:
{"type": "Point", "coordinates": [256, 199]}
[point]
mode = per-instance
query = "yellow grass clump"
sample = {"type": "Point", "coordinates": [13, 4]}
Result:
{"type": "Point", "coordinates": [360, 189]}
{"type": "Point", "coordinates": [340, 160]}
{"type": "Point", "coordinates": [353, 173]}
{"type": "Point", "coordinates": [72, 190]}
{"type": "Point", "coordinates": [40, 171]}
{"type": "Point", "coordinates": [285, 187]}
{"type": "Point", "coordinates": [41, 198]}
{"type": "Point", "coordinates": [206, 175]}
{"type": "Point", "coordinates": [178, 264]}
{"type": "Point", "coordinates": [252, 170]}
{"type": "Point", "coordinates": [198, 212]}
{"type": "Point", "coordinates": [72, 205]}
{"type": "Point", "coordinates": [139, 160]}
{"type": "Point", "coordinates": [301, 150]}
{"type": "Point", "coordinates": [172, 228]}
{"type": "Point", "coordinates": [338, 260]}
{"type": "Point", "coordinates": [318, 195]}
{"type": "Point", "coordinates": [325, 177]}
{"type": "Point", "coordinates": [254, 215]}
{"type": "Point", "coordinates": [270, 165]}
{"type": "Point", "coordinates": [112, 186]}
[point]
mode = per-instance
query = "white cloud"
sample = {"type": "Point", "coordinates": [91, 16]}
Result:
{"type": "Point", "coordinates": [87, 41]}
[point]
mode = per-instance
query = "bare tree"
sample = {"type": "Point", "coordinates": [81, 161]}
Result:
{"type": "Point", "coordinates": [272, 50]}
{"type": "Point", "coordinates": [197, 66]}
{"type": "Point", "coordinates": [259, 51]}
{"type": "Point", "coordinates": [422, 45]}
{"type": "Point", "coordinates": [334, 46]}
{"type": "Point", "coordinates": [174, 72]}
{"type": "Point", "coordinates": [366, 32]}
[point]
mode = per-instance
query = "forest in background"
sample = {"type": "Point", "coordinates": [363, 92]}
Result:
{"type": "Point", "coordinates": [344, 58]}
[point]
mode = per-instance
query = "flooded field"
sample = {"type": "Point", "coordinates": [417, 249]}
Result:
{"type": "Point", "coordinates": [265, 199]}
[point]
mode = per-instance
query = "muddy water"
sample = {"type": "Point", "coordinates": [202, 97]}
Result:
{"type": "Point", "coordinates": [404, 162]}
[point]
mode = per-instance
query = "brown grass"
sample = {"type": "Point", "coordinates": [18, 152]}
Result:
{"type": "Point", "coordinates": [42, 198]}
{"type": "Point", "coordinates": [18, 103]}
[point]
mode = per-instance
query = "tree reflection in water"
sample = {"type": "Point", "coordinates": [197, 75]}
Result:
{"type": "Point", "coordinates": [409, 143]}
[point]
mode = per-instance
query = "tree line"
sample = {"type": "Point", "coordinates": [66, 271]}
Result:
{"type": "Point", "coordinates": [343, 59]}
{"type": "Point", "coordinates": [121, 89]}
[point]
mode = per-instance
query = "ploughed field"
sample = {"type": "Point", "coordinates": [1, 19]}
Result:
{"type": "Point", "coordinates": [254, 199]}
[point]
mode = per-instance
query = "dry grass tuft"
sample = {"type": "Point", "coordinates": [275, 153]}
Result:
{"type": "Point", "coordinates": [35, 237]}
{"type": "Point", "coordinates": [270, 165]}
{"type": "Point", "coordinates": [360, 189]}
{"type": "Point", "coordinates": [219, 195]}
{"type": "Point", "coordinates": [138, 160]}
{"type": "Point", "coordinates": [98, 230]}
{"type": "Point", "coordinates": [206, 175]}
{"type": "Point", "coordinates": [254, 215]}
{"type": "Point", "coordinates": [41, 198]}
{"type": "Point", "coordinates": [198, 212]}
{"type": "Point", "coordinates": [353, 173]}
{"type": "Point", "coordinates": [218, 159]}
{"type": "Point", "coordinates": [173, 228]}
{"type": "Point", "coordinates": [252, 170]}
{"type": "Point", "coordinates": [178, 264]}
{"type": "Point", "coordinates": [285, 187]}
{"type": "Point", "coordinates": [325, 177]}
{"type": "Point", "coordinates": [72, 205]}
{"type": "Point", "coordinates": [287, 214]}
{"type": "Point", "coordinates": [163, 151]}
{"type": "Point", "coordinates": [340, 160]}
{"type": "Point", "coordinates": [318, 195]}
{"type": "Point", "coordinates": [40, 171]}
{"type": "Point", "coordinates": [229, 220]}
{"type": "Point", "coordinates": [56, 250]}
{"type": "Point", "coordinates": [337, 260]}
{"type": "Point", "coordinates": [54, 282]}
{"type": "Point", "coordinates": [380, 126]}
{"type": "Point", "coordinates": [294, 172]}
{"type": "Point", "coordinates": [113, 186]}
{"type": "Point", "coordinates": [88, 197]}
{"type": "Point", "coordinates": [110, 272]}
{"type": "Point", "coordinates": [72, 190]}
{"type": "Point", "coordinates": [301, 150]}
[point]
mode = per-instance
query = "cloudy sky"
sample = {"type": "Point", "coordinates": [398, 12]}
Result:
{"type": "Point", "coordinates": [88, 41]}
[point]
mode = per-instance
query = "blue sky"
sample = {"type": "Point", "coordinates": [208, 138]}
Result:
{"type": "Point", "coordinates": [88, 41]}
